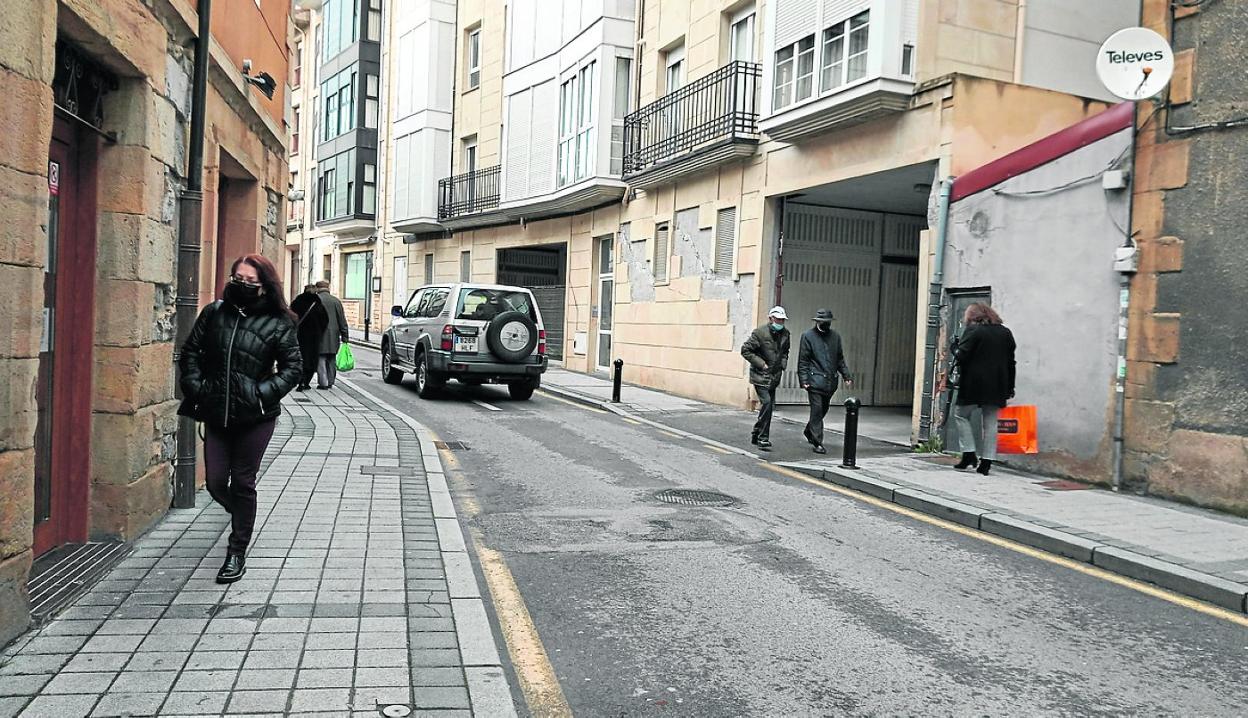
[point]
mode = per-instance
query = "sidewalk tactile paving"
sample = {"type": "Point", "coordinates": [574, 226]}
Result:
{"type": "Point", "coordinates": [345, 605]}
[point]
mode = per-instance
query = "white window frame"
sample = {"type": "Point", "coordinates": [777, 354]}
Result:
{"type": "Point", "coordinates": [369, 200]}
{"type": "Point", "coordinates": [743, 22]}
{"type": "Point", "coordinates": [836, 65]}
{"type": "Point", "coordinates": [788, 93]}
{"type": "Point", "coordinates": [374, 20]}
{"type": "Point", "coordinates": [674, 72]}
{"type": "Point", "coordinates": [578, 115]}
{"type": "Point", "coordinates": [473, 58]}
{"type": "Point", "coordinates": [372, 92]}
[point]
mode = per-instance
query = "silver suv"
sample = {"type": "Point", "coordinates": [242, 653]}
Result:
{"type": "Point", "coordinates": [476, 333]}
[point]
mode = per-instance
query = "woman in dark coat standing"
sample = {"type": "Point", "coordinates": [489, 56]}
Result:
{"type": "Point", "coordinates": [312, 322]}
{"type": "Point", "coordinates": [985, 356]}
{"type": "Point", "coordinates": [240, 359]}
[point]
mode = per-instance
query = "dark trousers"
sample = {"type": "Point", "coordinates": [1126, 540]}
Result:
{"type": "Point", "coordinates": [231, 461]}
{"type": "Point", "coordinates": [310, 352]}
{"type": "Point", "coordinates": [767, 407]}
{"type": "Point", "coordinates": [819, 403]}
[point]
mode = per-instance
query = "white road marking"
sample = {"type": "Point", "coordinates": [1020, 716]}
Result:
{"type": "Point", "coordinates": [483, 405]}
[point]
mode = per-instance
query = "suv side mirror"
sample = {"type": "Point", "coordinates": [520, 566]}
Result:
{"type": "Point", "coordinates": [396, 311]}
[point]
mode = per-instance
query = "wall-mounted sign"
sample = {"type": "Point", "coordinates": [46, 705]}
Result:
{"type": "Point", "coordinates": [1135, 63]}
{"type": "Point", "coordinates": [54, 178]}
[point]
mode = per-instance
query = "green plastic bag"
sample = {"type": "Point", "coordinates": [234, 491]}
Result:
{"type": "Point", "coordinates": [345, 359]}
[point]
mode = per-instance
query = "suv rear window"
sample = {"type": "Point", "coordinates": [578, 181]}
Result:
{"type": "Point", "coordinates": [485, 304]}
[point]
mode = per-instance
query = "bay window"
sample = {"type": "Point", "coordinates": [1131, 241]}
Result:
{"type": "Point", "coordinates": [795, 73]}
{"type": "Point", "coordinates": [577, 105]}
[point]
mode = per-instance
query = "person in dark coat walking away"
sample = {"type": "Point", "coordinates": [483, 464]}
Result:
{"type": "Point", "coordinates": [240, 359]}
{"type": "Point", "coordinates": [767, 351]}
{"type": "Point", "coordinates": [335, 335]}
{"type": "Point", "coordinates": [820, 358]}
{"type": "Point", "coordinates": [985, 357]}
{"type": "Point", "coordinates": [311, 326]}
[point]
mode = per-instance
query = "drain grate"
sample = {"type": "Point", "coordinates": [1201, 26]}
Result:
{"type": "Point", "coordinates": [451, 445]}
{"type": "Point", "coordinates": [694, 497]}
{"type": "Point", "coordinates": [57, 578]}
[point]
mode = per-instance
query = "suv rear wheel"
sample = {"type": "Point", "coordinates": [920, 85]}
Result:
{"type": "Point", "coordinates": [427, 382]}
{"type": "Point", "coordinates": [389, 374]}
{"type": "Point", "coordinates": [523, 390]}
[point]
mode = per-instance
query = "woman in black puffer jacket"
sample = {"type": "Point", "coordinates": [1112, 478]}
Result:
{"type": "Point", "coordinates": [241, 358]}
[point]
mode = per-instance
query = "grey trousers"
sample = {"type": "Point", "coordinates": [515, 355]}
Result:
{"type": "Point", "coordinates": [981, 436]}
{"type": "Point", "coordinates": [766, 407]}
{"type": "Point", "coordinates": [326, 369]}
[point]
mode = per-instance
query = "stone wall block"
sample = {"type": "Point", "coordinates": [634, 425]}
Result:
{"type": "Point", "coordinates": [24, 207]}
{"type": "Point", "coordinates": [1148, 425]}
{"type": "Point", "coordinates": [130, 378]}
{"type": "Point", "coordinates": [17, 501]}
{"type": "Point", "coordinates": [28, 40]}
{"type": "Point", "coordinates": [21, 310]}
{"type": "Point", "coordinates": [25, 123]}
{"type": "Point", "coordinates": [1162, 166]}
{"type": "Point", "coordinates": [157, 252]}
{"type": "Point", "coordinates": [1205, 468]}
{"type": "Point", "coordinates": [17, 395]}
{"type": "Point", "coordinates": [124, 313]}
{"type": "Point", "coordinates": [1182, 81]}
{"type": "Point", "coordinates": [125, 446]}
{"type": "Point", "coordinates": [14, 598]}
{"type": "Point", "coordinates": [124, 511]}
{"type": "Point", "coordinates": [131, 173]}
{"type": "Point", "coordinates": [135, 36]}
{"type": "Point", "coordinates": [1156, 339]}
{"type": "Point", "coordinates": [1164, 254]}
{"type": "Point", "coordinates": [119, 236]}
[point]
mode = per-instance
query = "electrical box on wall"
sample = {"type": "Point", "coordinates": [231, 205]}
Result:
{"type": "Point", "coordinates": [1115, 179]}
{"type": "Point", "coordinates": [1127, 259]}
{"type": "Point", "coordinates": [580, 340]}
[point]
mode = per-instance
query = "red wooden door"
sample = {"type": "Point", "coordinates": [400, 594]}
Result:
{"type": "Point", "coordinates": [63, 393]}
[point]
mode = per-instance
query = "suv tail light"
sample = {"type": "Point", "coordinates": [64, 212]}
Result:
{"type": "Point", "coordinates": [448, 338]}
{"type": "Point", "coordinates": [541, 342]}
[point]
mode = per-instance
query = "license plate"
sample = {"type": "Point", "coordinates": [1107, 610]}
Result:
{"type": "Point", "coordinates": [466, 345]}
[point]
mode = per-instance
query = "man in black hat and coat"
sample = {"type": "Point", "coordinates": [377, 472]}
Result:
{"type": "Point", "coordinates": [820, 358]}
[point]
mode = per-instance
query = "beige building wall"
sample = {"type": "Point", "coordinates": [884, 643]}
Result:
{"type": "Point", "coordinates": [684, 335]}
{"type": "Point", "coordinates": [479, 111]}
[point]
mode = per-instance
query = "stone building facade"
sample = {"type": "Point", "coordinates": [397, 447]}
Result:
{"type": "Point", "coordinates": [1187, 416]}
{"type": "Point", "coordinates": [93, 139]}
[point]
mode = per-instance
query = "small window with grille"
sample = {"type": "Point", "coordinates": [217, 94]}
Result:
{"type": "Point", "coordinates": [725, 240]}
{"type": "Point", "coordinates": [662, 249]}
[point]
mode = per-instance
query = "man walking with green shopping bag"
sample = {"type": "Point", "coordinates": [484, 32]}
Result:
{"type": "Point", "coordinates": [336, 334]}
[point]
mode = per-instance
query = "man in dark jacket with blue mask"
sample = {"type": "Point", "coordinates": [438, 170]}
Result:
{"type": "Point", "coordinates": [767, 351]}
{"type": "Point", "coordinates": [820, 358]}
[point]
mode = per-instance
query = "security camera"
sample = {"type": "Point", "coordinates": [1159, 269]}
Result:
{"type": "Point", "coordinates": [265, 82]}
{"type": "Point", "coordinates": [246, 67]}
{"type": "Point", "coordinates": [295, 195]}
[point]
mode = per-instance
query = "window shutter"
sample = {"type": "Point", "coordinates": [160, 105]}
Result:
{"type": "Point", "coordinates": [794, 19]}
{"type": "Point", "coordinates": [661, 250]}
{"type": "Point", "coordinates": [725, 239]}
{"type": "Point", "coordinates": [465, 267]}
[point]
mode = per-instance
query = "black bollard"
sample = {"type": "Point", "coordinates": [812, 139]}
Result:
{"type": "Point", "coordinates": [850, 458]}
{"type": "Point", "coordinates": [615, 381]}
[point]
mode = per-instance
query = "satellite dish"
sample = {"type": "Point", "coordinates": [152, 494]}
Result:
{"type": "Point", "coordinates": [1135, 63]}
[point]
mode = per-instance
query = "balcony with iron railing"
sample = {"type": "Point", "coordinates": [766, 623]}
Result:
{"type": "Point", "coordinates": [708, 122]}
{"type": "Point", "coordinates": [462, 196]}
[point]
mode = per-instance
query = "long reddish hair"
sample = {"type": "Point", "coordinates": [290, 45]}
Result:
{"type": "Point", "coordinates": [979, 313]}
{"type": "Point", "coordinates": [272, 283]}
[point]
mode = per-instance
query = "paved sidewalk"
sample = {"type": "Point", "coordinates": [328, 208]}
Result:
{"type": "Point", "coordinates": [1189, 550]}
{"type": "Point", "coordinates": [374, 337]}
{"type": "Point", "coordinates": [359, 594]}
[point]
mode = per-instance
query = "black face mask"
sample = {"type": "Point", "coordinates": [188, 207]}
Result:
{"type": "Point", "coordinates": [242, 295]}
{"type": "Point", "coordinates": [823, 326]}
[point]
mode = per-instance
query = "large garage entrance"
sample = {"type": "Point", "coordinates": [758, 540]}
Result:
{"type": "Point", "coordinates": [543, 270]}
{"type": "Point", "coordinates": [853, 247]}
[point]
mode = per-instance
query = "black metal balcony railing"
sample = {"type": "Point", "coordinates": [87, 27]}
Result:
{"type": "Point", "coordinates": [469, 193]}
{"type": "Point", "coordinates": [721, 106]}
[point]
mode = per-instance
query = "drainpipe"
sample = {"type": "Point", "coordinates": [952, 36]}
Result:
{"type": "Point", "coordinates": [935, 291]}
{"type": "Point", "coordinates": [780, 250]}
{"type": "Point", "coordinates": [190, 214]}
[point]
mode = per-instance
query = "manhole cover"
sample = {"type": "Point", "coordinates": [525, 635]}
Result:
{"type": "Point", "coordinates": [396, 710]}
{"type": "Point", "coordinates": [694, 497]}
{"type": "Point", "coordinates": [451, 445]}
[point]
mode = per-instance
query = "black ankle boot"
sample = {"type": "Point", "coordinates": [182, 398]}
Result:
{"type": "Point", "coordinates": [985, 466]}
{"type": "Point", "coordinates": [233, 568]}
{"type": "Point", "coordinates": [968, 461]}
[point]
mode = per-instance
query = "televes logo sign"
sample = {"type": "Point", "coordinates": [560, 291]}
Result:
{"type": "Point", "coordinates": [1135, 63]}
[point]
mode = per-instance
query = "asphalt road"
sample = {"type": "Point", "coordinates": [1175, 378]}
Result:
{"type": "Point", "coordinates": [797, 601]}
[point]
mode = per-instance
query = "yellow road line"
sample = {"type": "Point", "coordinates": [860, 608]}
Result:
{"type": "Point", "coordinates": [569, 402]}
{"type": "Point", "coordinates": [537, 676]}
{"type": "Point", "coordinates": [634, 422]}
{"type": "Point", "coordinates": [718, 449]}
{"type": "Point", "coordinates": [1086, 569]}
{"type": "Point", "coordinates": [668, 433]}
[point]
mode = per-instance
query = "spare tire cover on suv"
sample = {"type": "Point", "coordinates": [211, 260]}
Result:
{"type": "Point", "coordinates": [511, 337]}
